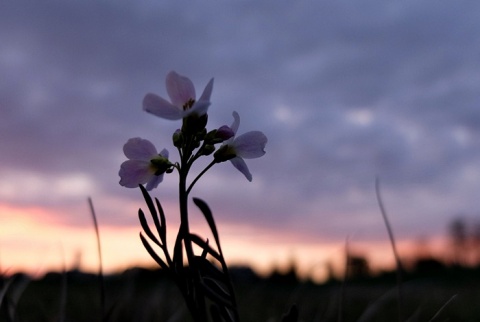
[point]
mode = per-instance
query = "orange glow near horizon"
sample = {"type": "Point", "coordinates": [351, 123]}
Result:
{"type": "Point", "coordinates": [33, 245]}
{"type": "Point", "coordinates": [30, 244]}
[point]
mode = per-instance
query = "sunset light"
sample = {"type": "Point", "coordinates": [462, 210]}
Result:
{"type": "Point", "coordinates": [324, 153]}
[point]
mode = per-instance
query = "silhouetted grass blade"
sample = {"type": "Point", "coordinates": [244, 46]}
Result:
{"type": "Point", "coordinates": [4, 289]}
{"type": "Point", "coordinates": [100, 261]}
{"type": "Point", "coordinates": [394, 249]}
{"type": "Point", "coordinates": [437, 314]}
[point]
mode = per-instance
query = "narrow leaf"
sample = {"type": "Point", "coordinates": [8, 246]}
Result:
{"type": "Point", "coordinates": [227, 317]}
{"type": "Point", "coordinates": [152, 253]}
{"type": "Point", "coordinates": [161, 226]}
{"type": "Point", "coordinates": [206, 268]}
{"type": "Point", "coordinates": [146, 228]}
{"type": "Point", "coordinates": [220, 314]}
{"type": "Point", "coordinates": [205, 246]}
{"type": "Point", "coordinates": [214, 285]}
{"type": "Point", "coordinates": [209, 217]}
{"type": "Point", "coordinates": [178, 252]}
{"type": "Point", "coordinates": [207, 213]}
{"type": "Point", "coordinates": [148, 200]}
{"type": "Point", "coordinates": [204, 252]}
{"type": "Point", "coordinates": [216, 293]}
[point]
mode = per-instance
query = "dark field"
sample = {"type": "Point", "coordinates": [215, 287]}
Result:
{"type": "Point", "coordinates": [139, 295]}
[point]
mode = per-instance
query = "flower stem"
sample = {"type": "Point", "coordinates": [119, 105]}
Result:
{"type": "Point", "coordinates": [200, 175]}
{"type": "Point", "coordinates": [193, 292]}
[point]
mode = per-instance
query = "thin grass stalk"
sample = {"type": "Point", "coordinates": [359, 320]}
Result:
{"type": "Point", "coordinates": [100, 265]}
{"type": "Point", "coordinates": [394, 249]}
{"type": "Point", "coordinates": [442, 308]}
{"type": "Point", "coordinates": [3, 298]}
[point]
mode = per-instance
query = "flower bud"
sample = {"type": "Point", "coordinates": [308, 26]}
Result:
{"type": "Point", "coordinates": [208, 149]}
{"type": "Point", "coordinates": [210, 137]}
{"type": "Point", "coordinates": [177, 138]}
{"type": "Point", "coordinates": [219, 135]}
{"type": "Point", "coordinates": [201, 135]}
{"type": "Point", "coordinates": [224, 133]}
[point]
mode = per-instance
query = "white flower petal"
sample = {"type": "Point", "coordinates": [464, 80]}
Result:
{"type": "Point", "coordinates": [160, 107]}
{"type": "Point", "coordinates": [180, 89]}
{"type": "Point", "coordinates": [236, 122]}
{"type": "Point", "coordinates": [135, 172]}
{"type": "Point", "coordinates": [154, 182]}
{"type": "Point", "coordinates": [139, 149]}
{"type": "Point", "coordinates": [164, 153]}
{"type": "Point", "coordinates": [207, 92]}
{"type": "Point", "coordinates": [241, 166]}
{"type": "Point", "coordinates": [250, 145]}
{"type": "Point", "coordinates": [199, 108]}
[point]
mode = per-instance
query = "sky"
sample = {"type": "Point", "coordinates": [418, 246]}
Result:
{"type": "Point", "coordinates": [345, 91]}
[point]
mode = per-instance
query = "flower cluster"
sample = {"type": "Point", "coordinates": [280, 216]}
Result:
{"type": "Point", "coordinates": [146, 166]}
{"type": "Point", "coordinates": [199, 283]}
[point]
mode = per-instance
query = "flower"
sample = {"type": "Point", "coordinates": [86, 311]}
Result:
{"type": "Point", "coordinates": [181, 91]}
{"type": "Point", "coordinates": [249, 145]}
{"type": "Point", "coordinates": [144, 164]}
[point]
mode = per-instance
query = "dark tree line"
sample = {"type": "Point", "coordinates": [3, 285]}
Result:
{"type": "Point", "coordinates": [465, 241]}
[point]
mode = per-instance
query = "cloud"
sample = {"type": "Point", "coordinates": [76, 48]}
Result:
{"type": "Point", "coordinates": [345, 92]}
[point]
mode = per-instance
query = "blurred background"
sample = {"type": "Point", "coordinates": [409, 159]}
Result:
{"type": "Point", "coordinates": [345, 91]}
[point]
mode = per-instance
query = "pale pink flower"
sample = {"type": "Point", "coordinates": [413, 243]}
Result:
{"type": "Point", "coordinates": [144, 164]}
{"type": "Point", "coordinates": [183, 101]}
{"type": "Point", "coordinates": [249, 145]}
